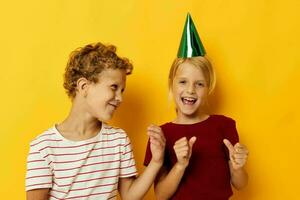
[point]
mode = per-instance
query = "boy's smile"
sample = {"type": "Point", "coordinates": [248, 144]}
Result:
{"type": "Point", "coordinates": [105, 96]}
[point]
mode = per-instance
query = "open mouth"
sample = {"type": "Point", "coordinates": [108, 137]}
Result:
{"type": "Point", "coordinates": [188, 100]}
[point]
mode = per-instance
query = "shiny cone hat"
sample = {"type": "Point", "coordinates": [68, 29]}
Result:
{"type": "Point", "coordinates": [190, 44]}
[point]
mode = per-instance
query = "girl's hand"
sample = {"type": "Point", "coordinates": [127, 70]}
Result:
{"type": "Point", "coordinates": [183, 150]}
{"type": "Point", "coordinates": [238, 154]}
{"type": "Point", "coordinates": [157, 143]}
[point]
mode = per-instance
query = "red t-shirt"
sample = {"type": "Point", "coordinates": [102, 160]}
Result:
{"type": "Point", "coordinates": [207, 177]}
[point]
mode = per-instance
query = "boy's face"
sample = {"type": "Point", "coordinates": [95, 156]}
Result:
{"type": "Point", "coordinates": [189, 90]}
{"type": "Point", "coordinates": [105, 96]}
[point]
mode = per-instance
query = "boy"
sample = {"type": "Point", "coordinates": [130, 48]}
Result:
{"type": "Point", "coordinates": [83, 157]}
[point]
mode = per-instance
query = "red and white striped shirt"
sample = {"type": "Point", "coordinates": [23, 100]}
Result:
{"type": "Point", "coordinates": [88, 169]}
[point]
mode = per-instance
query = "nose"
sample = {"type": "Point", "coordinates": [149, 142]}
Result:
{"type": "Point", "coordinates": [191, 89]}
{"type": "Point", "coordinates": [119, 97]}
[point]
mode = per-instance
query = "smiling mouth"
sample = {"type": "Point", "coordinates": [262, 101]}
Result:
{"type": "Point", "coordinates": [188, 100]}
{"type": "Point", "coordinates": [113, 105]}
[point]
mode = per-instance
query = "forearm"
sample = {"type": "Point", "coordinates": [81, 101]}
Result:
{"type": "Point", "coordinates": [141, 185]}
{"type": "Point", "coordinates": [37, 194]}
{"type": "Point", "coordinates": [168, 185]}
{"type": "Point", "coordinates": [239, 178]}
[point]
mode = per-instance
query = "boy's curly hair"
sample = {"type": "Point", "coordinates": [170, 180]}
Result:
{"type": "Point", "coordinates": [89, 61]}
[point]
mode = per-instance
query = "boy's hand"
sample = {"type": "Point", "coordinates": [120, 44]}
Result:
{"type": "Point", "coordinates": [183, 150]}
{"type": "Point", "coordinates": [238, 154]}
{"type": "Point", "coordinates": [157, 143]}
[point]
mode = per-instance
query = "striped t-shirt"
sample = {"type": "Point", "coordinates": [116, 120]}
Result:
{"type": "Point", "coordinates": [88, 169]}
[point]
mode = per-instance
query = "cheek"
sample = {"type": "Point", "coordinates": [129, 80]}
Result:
{"type": "Point", "coordinates": [177, 90]}
{"type": "Point", "coordinates": [203, 95]}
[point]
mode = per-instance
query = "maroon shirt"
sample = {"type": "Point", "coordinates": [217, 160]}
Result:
{"type": "Point", "coordinates": [207, 177]}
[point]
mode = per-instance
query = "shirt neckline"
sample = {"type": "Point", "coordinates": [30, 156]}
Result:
{"type": "Point", "coordinates": [197, 123]}
{"type": "Point", "coordinates": [94, 138]}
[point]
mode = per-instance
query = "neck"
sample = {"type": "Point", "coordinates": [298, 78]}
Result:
{"type": "Point", "coordinates": [79, 125]}
{"type": "Point", "coordinates": [191, 119]}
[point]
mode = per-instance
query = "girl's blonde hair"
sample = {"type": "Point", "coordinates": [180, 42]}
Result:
{"type": "Point", "coordinates": [203, 63]}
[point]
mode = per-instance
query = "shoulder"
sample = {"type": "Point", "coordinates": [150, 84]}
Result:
{"type": "Point", "coordinates": [222, 119]}
{"type": "Point", "coordinates": [115, 134]}
{"type": "Point", "coordinates": [167, 127]}
{"type": "Point", "coordinates": [113, 131]}
{"type": "Point", "coordinates": [45, 139]}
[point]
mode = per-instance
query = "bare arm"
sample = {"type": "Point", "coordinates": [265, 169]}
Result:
{"type": "Point", "coordinates": [39, 194]}
{"type": "Point", "coordinates": [167, 183]}
{"type": "Point", "coordinates": [239, 177]}
{"type": "Point", "coordinates": [136, 188]}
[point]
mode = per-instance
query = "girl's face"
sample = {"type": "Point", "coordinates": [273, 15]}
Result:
{"type": "Point", "coordinates": [189, 90]}
{"type": "Point", "coordinates": [105, 96]}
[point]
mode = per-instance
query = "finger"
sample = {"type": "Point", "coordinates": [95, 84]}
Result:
{"type": "Point", "coordinates": [154, 128]}
{"type": "Point", "coordinates": [181, 144]}
{"type": "Point", "coordinates": [241, 151]}
{"type": "Point", "coordinates": [157, 131]}
{"type": "Point", "coordinates": [239, 155]}
{"type": "Point", "coordinates": [156, 135]}
{"type": "Point", "coordinates": [240, 162]}
{"type": "Point", "coordinates": [229, 146]}
{"type": "Point", "coordinates": [178, 149]}
{"type": "Point", "coordinates": [241, 148]}
{"type": "Point", "coordinates": [180, 140]}
{"type": "Point", "coordinates": [192, 141]}
{"type": "Point", "coordinates": [156, 142]}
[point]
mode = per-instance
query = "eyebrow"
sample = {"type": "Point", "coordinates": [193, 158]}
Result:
{"type": "Point", "coordinates": [187, 78]}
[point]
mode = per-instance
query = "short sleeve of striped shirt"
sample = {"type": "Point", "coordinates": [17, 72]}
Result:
{"type": "Point", "coordinates": [128, 167]}
{"type": "Point", "coordinates": [38, 175]}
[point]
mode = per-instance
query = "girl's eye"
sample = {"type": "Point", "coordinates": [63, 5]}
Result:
{"type": "Point", "coordinates": [200, 84]}
{"type": "Point", "coordinates": [182, 82]}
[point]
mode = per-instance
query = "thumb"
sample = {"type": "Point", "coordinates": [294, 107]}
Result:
{"type": "Point", "coordinates": [192, 141]}
{"type": "Point", "coordinates": [228, 145]}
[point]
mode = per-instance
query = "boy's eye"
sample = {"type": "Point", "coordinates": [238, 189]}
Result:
{"type": "Point", "coordinates": [114, 87]}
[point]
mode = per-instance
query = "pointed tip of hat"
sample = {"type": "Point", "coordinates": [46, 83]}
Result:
{"type": "Point", "coordinates": [190, 44]}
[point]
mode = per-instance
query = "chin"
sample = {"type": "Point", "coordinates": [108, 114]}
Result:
{"type": "Point", "coordinates": [190, 114]}
{"type": "Point", "coordinates": [104, 118]}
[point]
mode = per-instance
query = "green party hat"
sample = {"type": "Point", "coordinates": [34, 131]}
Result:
{"type": "Point", "coordinates": [190, 44]}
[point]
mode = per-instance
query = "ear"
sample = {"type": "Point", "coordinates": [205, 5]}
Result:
{"type": "Point", "coordinates": [82, 85]}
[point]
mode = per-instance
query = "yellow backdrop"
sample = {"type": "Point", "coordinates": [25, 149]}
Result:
{"type": "Point", "coordinates": [254, 46]}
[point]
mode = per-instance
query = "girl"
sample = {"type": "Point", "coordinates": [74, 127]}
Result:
{"type": "Point", "coordinates": [202, 156]}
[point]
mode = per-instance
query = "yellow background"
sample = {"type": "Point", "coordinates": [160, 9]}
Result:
{"type": "Point", "coordinates": [254, 46]}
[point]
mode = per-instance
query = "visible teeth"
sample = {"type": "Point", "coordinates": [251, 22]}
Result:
{"type": "Point", "coordinates": [189, 100]}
